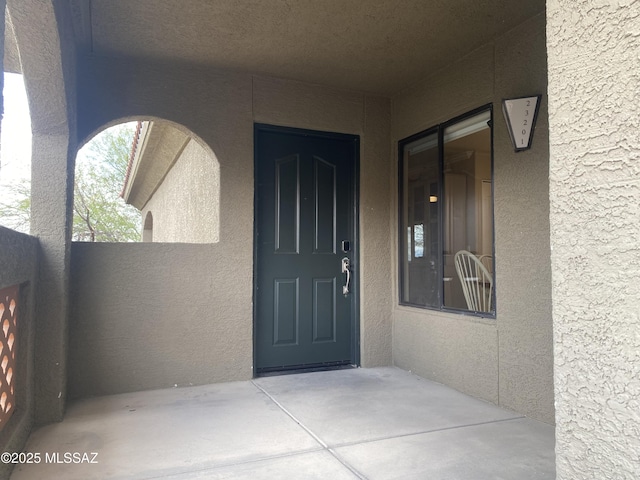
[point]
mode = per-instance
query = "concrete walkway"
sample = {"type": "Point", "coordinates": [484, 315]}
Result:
{"type": "Point", "coordinates": [363, 423]}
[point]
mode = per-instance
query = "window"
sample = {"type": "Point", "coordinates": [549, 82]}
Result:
{"type": "Point", "coordinates": [446, 207]}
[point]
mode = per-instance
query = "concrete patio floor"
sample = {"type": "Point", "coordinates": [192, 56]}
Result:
{"type": "Point", "coordinates": [375, 423]}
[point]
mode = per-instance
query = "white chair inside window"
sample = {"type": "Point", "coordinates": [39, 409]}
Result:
{"type": "Point", "coordinates": [487, 261]}
{"type": "Point", "coordinates": [476, 281]}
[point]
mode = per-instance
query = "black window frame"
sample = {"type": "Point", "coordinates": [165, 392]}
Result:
{"type": "Point", "coordinates": [439, 129]}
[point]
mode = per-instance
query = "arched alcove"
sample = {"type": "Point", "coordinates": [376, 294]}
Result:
{"type": "Point", "coordinates": [15, 156]}
{"type": "Point", "coordinates": [169, 170]}
{"type": "Point", "coordinates": [147, 229]}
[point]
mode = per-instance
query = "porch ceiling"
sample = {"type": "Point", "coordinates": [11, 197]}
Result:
{"type": "Point", "coordinates": [376, 46]}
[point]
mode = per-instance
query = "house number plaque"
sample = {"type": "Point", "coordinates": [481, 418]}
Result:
{"type": "Point", "coordinates": [521, 115]}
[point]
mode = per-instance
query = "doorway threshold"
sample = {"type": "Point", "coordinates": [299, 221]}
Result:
{"type": "Point", "coordinates": [294, 369]}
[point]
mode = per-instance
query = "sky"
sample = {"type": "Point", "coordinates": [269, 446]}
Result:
{"type": "Point", "coordinates": [15, 141]}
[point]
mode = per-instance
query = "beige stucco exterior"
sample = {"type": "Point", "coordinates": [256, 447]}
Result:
{"type": "Point", "coordinates": [47, 58]}
{"type": "Point", "coordinates": [99, 357]}
{"type": "Point", "coordinates": [120, 317]}
{"type": "Point", "coordinates": [508, 360]}
{"type": "Point", "coordinates": [183, 205]}
{"type": "Point", "coordinates": [595, 212]}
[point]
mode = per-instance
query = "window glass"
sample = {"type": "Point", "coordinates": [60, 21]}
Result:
{"type": "Point", "coordinates": [467, 171]}
{"type": "Point", "coordinates": [421, 217]}
{"type": "Point", "coordinates": [447, 217]}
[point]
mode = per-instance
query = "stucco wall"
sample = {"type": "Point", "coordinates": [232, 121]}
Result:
{"type": "Point", "coordinates": [185, 205]}
{"type": "Point", "coordinates": [594, 87]}
{"type": "Point", "coordinates": [220, 108]}
{"type": "Point", "coordinates": [509, 360]}
{"type": "Point", "coordinates": [216, 107]}
{"type": "Point", "coordinates": [154, 315]}
{"type": "Point", "coordinates": [19, 266]}
{"type": "Point", "coordinates": [43, 33]}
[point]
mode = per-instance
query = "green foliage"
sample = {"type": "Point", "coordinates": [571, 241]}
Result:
{"type": "Point", "coordinates": [99, 213]}
{"type": "Point", "coordinates": [15, 211]}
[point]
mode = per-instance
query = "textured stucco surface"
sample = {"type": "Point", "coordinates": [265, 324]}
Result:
{"type": "Point", "coordinates": [202, 303]}
{"type": "Point", "coordinates": [154, 315]}
{"type": "Point", "coordinates": [376, 254]}
{"type": "Point", "coordinates": [47, 58]}
{"type": "Point", "coordinates": [458, 352]}
{"type": "Point", "coordinates": [509, 360]}
{"type": "Point", "coordinates": [11, 60]}
{"type": "Point", "coordinates": [185, 205]}
{"type": "Point", "coordinates": [521, 208]}
{"type": "Point", "coordinates": [220, 108]}
{"type": "Point", "coordinates": [19, 266]}
{"type": "Point", "coordinates": [594, 87]}
{"type": "Point", "coordinates": [375, 46]}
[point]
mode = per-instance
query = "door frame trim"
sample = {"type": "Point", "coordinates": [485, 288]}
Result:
{"type": "Point", "coordinates": [355, 260]}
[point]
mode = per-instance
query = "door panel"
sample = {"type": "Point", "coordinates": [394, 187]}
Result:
{"type": "Point", "coordinates": [305, 209]}
{"type": "Point", "coordinates": [324, 310]}
{"type": "Point", "coordinates": [286, 311]}
{"type": "Point", "coordinates": [287, 204]}
{"type": "Point", "coordinates": [325, 206]}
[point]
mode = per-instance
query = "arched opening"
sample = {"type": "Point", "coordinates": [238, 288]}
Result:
{"type": "Point", "coordinates": [147, 232]}
{"type": "Point", "coordinates": [161, 167]}
{"type": "Point", "coordinates": [15, 156]}
{"type": "Point", "coordinates": [99, 213]}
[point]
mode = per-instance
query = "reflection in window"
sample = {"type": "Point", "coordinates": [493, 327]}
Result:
{"type": "Point", "coordinates": [418, 244]}
{"type": "Point", "coordinates": [446, 207]}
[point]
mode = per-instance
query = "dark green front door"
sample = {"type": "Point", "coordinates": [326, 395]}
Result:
{"type": "Point", "coordinates": [305, 229]}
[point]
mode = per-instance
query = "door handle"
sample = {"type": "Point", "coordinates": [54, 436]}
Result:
{"type": "Point", "coordinates": [346, 264]}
